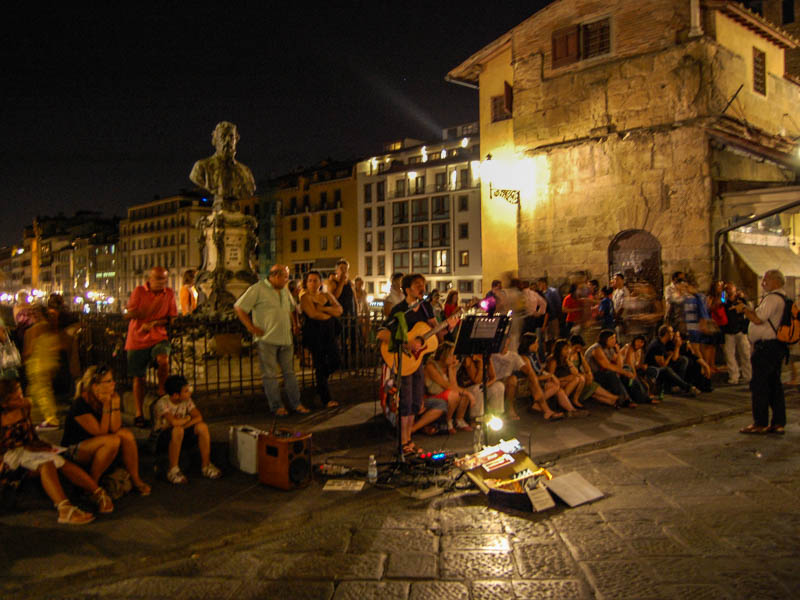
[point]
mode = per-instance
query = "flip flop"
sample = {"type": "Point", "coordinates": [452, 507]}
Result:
{"type": "Point", "coordinates": [779, 429]}
{"type": "Point", "coordinates": [281, 412]}
{"type": "Point", "coordinates": [554, 417]}
{"type": "Point", "coordinates": [302, 410]}
{"type": "Point", "coordinates": [754, 429]}
{"type": "Point", "coordinates": [332, 404]}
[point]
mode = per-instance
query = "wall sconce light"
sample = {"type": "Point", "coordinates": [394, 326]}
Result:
{"type": "Point", "coordinates": [510, 196]}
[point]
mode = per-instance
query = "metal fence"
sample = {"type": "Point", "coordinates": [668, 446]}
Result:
{"type": "Point", "coordinates": [219, 358]}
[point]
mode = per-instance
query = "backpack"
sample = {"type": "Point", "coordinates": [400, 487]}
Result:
{"type": "Point", "coordinates": [788, 331]}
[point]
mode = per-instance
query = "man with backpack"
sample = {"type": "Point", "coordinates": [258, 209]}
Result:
{"type": "Point", "coordinates": [768, 355]}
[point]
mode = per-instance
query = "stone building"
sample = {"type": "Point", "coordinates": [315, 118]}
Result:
{"type": "Point", "coordinates": [162, 232]}
{"type": "Point", "coordinates": [610, 131]}
{"type": "Point", "coordinates": [419, 211]}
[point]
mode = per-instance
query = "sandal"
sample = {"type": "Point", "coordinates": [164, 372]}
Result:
{"type": "Point", "coordinates": [578, 413]}
{"type": "Point", "coordinates": [104, 503]}
{"type": "Point", "coordinates": [411, 449]}
{"type": "Point", "coordinates": [301, 410]}
{"type": "Point", "coordinates": [69, 514]}
{"type": "Point", "coordinates": [755, 429]}
{"type": "Point", "coordinates": [142, 488]}
{"type": "Point", "coordinates": [554, 416]}
{"type": "Point", "coordinates": [174, 475]}
{"type": "Point", "coordinates": [210, 471]}
{"type": "Point", "coordinates": [332, 404]}
{"type": "Point", "coordinates": [779, 429]}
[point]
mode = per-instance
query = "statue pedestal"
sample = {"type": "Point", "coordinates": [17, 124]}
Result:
{"type": "Point", "coordinates": [229, 242]}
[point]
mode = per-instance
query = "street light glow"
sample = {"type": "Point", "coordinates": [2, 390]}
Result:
{"type": "Point", "coordinates": [495, 423]}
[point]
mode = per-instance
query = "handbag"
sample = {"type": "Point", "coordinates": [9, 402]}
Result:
{"type": "Point", "coordinates": [10, 360]}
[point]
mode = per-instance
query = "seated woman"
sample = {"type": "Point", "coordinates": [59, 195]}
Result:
{"type": "Point", "coordinates": [605, 360]}
{"type": "Point", "coordinates": [470, 377]}
{"type": "Point", "coordinates": [21, 448]}
{"type": "Point", "coordinates": [506, 364]}
{"type": "Point", "coordinates": [320, 324]}
{"type": "Point", "coordinates": [559, 364]}
{"type": "Point", "coordinates": [440, 382]}
{"type": "Point", "coordinates": [93, 431]}
{"type": "Point", "coordinates": [633, 355]}
{"type": "Point", "coordinates": [592, 389]}
{"type": "Point", "coordinates": [543, 385]}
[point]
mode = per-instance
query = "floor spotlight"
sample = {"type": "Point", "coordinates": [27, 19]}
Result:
{"type": "Point", "coordinates": [495, 423]}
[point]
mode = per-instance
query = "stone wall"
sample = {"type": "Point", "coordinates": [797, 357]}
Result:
{"type": "Point", "coordinates": [584, 194]}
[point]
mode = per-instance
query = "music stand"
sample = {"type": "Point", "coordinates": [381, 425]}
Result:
{"type": "Point", "coordinates": [484, 335]}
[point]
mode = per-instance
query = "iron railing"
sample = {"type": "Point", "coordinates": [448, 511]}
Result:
{"type": "Point", "coordinates": [219, 358]}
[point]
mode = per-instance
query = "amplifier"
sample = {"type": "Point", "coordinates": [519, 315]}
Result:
{"type": "Point", "coordinates": [284, 459]}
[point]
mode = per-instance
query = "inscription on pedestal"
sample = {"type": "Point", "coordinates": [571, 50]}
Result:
{"type": "Point", "coordinates": [234, 251]}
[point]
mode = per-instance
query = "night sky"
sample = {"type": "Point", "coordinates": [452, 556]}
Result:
{"type": "Point", "coordinates": [109, 108]}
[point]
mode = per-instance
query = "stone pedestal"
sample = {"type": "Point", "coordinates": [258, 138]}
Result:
{"type": "Point", "coordinates": [229, 244]}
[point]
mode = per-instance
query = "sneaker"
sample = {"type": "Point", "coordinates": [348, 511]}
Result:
{"type": "Point", "coordinates": [69, 514]}
{"type": "Point", "coordinates": [211, 472]}
{"type": "Point", "coordinates": [47, 425]}
{"type": "Point", "coordinates": [103, 501]}
{"type": "Point", "coordinates": [175, 476]}
{"type": "Point", "coordinates": [461, 425]}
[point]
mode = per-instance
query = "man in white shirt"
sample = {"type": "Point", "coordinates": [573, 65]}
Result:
{"type": "Point", "coordinates": [395, 295]}
{"type": "Point", "coordinates": [767, 357]}
{"type": "Point", "coordinates": [618, 298]}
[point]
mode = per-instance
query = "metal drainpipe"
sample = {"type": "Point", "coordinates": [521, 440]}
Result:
{"type": "Point", "coordinates": [753, 219]}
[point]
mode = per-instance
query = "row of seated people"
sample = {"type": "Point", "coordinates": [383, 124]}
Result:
{"type": "Point", "coordinates": [94, 439]}
{"type": "Point", "coordinates": [639, 372]}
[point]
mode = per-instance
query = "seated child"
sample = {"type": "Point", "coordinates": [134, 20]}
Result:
{"type": "Point", "coordinates": [177, 419]}
{"type": "Point", "coordinates": [21, 448]}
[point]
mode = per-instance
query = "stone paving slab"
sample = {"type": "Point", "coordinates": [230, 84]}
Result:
{"type": "Point", "coordinates": [413, 565]}
{"type": "Point", "coordinates": [439, 590]}
{"type": "Point", "coordinates": [397, 540]}
{"type": "Point", "coordinates": [371, 590]}
{"type": "Point", "coordinates": [468, 564]}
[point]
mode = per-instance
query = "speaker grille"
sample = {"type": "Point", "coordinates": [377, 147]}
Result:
{"type": "Point", "coordinates": [299, 470]}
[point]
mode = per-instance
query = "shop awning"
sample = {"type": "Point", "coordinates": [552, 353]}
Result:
{"type": "Point", "coordinates": [763, 258]}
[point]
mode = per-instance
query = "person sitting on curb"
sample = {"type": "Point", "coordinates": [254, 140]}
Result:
{"type": "Point", "coordinates": [21, 448]}
{"type": "Point", "coordinates": [177, 420]}
{"type": "Point", "coordinates": [505, 364]}
{"type": "Point", "coordinates": [93, 431]}
{"type": "Point", "coordinates": [667, 367]}
{"type": "Point", "coordinates": [441, 382]}
{"type": "Point", "coordinates": [543, 385]}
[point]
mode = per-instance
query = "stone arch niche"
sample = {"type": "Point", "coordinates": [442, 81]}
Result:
{"type": "Point", "coordinates": [636, 254]}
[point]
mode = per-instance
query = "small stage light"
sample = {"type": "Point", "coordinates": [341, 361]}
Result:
{"type": "Point", "coordinates": [495, 423]}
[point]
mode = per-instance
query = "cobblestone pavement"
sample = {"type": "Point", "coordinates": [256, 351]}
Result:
{"type": "Point", "coordinates": [700, 512]}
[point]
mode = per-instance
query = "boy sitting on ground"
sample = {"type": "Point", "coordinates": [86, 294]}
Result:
{"type": "Point", "coordinates": [177, 420]}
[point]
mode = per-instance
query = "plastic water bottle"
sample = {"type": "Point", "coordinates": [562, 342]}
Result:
{"type": "Point", "coordinates": [372, 469]}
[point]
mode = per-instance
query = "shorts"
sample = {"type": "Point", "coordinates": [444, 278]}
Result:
{"type": "Point", "coordinates": [139, 360]}
{"type": "Point", "coordinates": [165, 437]}
{"type": "Point", "coordinates": [442, 396]}
{"type": "Point", "coordinates": [436, 403]}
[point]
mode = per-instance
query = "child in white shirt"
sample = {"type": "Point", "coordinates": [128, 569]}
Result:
{"type": "Point", "coordinates": [177, 420]}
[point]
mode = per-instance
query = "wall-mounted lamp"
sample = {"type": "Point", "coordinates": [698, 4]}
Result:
{"type": "Point", "coordinates": [510, 196]}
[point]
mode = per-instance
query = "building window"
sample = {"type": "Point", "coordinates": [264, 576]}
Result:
{"type": "Point", "coordinates": [306, 245]}
{"type": "Point", "coordinates": [381, 216]}
{"type": "Point", "coordinates": [440, 234]}
{"type": "Point", "coordinates": [419, 184]}
{"type": "Point", "coordinates": [759, 72]}
{"type": "Point", "coordinates": [337, 219]}
{"type": "Point", "coordinates": [466, 178]}
{"type": "Point", "coordinates": [337, 198]}
{"type": "Point", "coordinates": [419, 236]}
{"type": "Point", "coordinates": [323, 199]}
{"type": "Point", "coordinates": [440, 207]}
{"type": "Point", "coordinates": [440, 181]}
{"type": "Point", "coordinates": [465, 286]}
{"type": "Point", "coordinates": [788, 12]}
{"type": "Point", "coordinates": [501, 105]}
{"type": "Point", "coordinates": [400, 238]}
{"type": "Point", "coordinates": [381, 265]}
{"type": "Point", "coordinates": [441, 261]}
{"type": "Point", "coordinates": [399, 188]}
{"type": "Point", "coordinates": [463, 231]}
{"type": "Point", "coordinates": [400, 261]}
{"type": "Point", "coordinates": [419, 209]}
{"type": "Point", "coordinates": [367, 193]}
{"type": "Point", "coordinates": [293, 245]}
{"type": "Point", "coordinates": [370, 287]}
{"type": "Point", "coordinates": [579, 42]}
{"type": "Point", "coordinates": [463, 203]}
{"type": "Point", "coordinates": [381, 240]}
{"type": "Point", "coordinates": [367, 217]}
{"type": "Point", "coordinates": [420, 262]}
{"type": "Point", "coordinates": [368, 266]}
{"type": "Point", "coordinates": [337, 242]}
{"type": "Point", "coordinates": [323, 242]}
{"type": "Point", "coordinates": [323, 221]}
{"type": "Point", "coordinates": [399, 213]}
{"type": "Point", "coordinates": [463, 258]}
{"type": "Point", "coordinates": [380, 191]}
{"type": "Point", "coordinates": [306, 223]}
{"type": "Point", "coordinates": [368, 241]}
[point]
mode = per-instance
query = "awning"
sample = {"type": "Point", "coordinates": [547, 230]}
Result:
{"type": "Point", "coordinates": [325, 264]}
{"type": "Point", "coordinates": [761, 259]}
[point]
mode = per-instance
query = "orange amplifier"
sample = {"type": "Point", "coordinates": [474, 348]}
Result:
{"type": "Point", "coordinates": [284, 459]}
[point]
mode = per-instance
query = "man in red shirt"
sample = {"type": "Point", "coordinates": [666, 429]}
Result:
{"type": "Point", "coordinates": [150, 308]}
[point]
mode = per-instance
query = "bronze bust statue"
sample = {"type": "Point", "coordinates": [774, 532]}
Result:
{"type": "Point", "coordinates": [221, 174]}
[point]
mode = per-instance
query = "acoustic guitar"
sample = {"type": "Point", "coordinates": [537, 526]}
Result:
{"type": "Point", "coordinates": [412, 360]}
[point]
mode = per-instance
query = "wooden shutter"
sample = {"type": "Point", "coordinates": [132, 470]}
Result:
{"type": "Point", "coordinates": [565, 46]}
{"type": "Point", "coordinates": [759, 72]}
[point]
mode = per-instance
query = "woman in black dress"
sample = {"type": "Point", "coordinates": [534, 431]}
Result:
{"type": "Point", "coordinates": [320, 332]}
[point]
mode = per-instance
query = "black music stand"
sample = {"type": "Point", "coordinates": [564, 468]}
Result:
{"type": "Point", "coordinates": [484, 335]}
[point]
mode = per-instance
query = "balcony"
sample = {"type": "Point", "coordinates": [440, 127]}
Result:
{"type": "Point", "coordinates": [432, 189]}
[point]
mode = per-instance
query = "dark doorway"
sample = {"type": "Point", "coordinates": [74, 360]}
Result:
{"type": "Point", "coordinates": [637, 255]}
